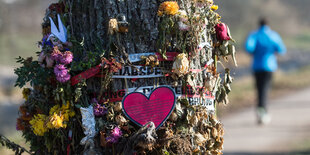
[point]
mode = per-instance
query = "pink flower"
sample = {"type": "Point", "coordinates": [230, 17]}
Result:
{"type": "Point", "coordinates": [64, 78]}
{"type": "Point", "coordinates": [115, 135]}
{"type": "Point", "coordinates": [61, 73]}
{"type": "Point", "coordinates": [66, 58]}
{"type": "Point", "coordinates": [56, 54]}
{"type": "Point", "coordinates": [60, 70]}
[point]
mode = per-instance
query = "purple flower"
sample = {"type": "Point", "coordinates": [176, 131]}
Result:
{"type": "Point", "coordinates": [60, 70]}
{"type": "Point", "coordinates": [46, 41]}
{"type": "Point", "coordinates": [66, 58]}
{"type": "Point", "coordinates": [64, 78]}
{"type": "Point", "coordinates": [115, 135]}
{"type": "Point", "coordinates": [99, 110]}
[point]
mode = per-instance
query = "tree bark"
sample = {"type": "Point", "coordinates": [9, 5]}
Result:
{"type": "Point", "coordinates": [90, 23]}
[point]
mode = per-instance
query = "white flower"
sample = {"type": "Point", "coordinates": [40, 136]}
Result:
{"type": "Point", "coordinates": [183, 27]}
{"type": "Point", "coordinates": [181, 65]}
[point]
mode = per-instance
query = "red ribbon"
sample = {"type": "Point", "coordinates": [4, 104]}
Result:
{"type": "Point", "coordinates": [170, 56]}
{"type": "Point", "coordinates": [85, 75]}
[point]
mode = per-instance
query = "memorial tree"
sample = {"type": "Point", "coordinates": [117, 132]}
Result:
{"type": "Point", "coordinates": [127, 77]}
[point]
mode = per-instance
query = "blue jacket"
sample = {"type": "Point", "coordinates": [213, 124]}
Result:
{"type": "Point", "coordinates": [264, 44]}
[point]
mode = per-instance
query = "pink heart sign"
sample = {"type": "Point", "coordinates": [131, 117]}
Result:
{"type": "Point", "coordinates": [156, 108]}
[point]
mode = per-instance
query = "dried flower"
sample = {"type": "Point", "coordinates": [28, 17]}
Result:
{"type": "Point", "coordinates": [26, 92]}
{"type": "Point", "coordinates": [38, 124]}
{"type": "Point", "coordinates": [203, 3]}
{"type": "Point", "coordinates": [66, 58]}
{"type": "Point", "coordinates": [183, 27]}
{"type": "Point", "coordinates": [48, 59]}
{"type": "Point", "coordinates": [117, 107]}
{"type": "Point", "coordinates": [49, 62]}
{"type": "Point", "coordinates": [113, 26]}
{"type": "Point", "coordinates": [58, 7]}
{"type": "Point", "coordinates": [120, 120]}
{"type": "Point", "coordinates": [19, 124]}
{"type": "Point", "coordinates": [115, 135]}
{"type": "Point", "coordinates": [100, 110]}
{"type": "Point", "coordinates": [111, 64]}
{"type": "Point", "coordinates": [181, 65]}
{"type": "Point", "coordinates": [199, 139]}
{"type": "Point", "coordinates": [168, 8]}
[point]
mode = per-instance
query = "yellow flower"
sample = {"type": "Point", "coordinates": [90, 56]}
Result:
{"type": "Point", "coordinates": [214, 7]}
{"type": "Point", "coordinates": [60, 115]}
{"type": "Point", "coordinates": [168, 8]}
{"type": "Point", "coordinates": [181, 64]}
{"type": "Point", "coordinates": [55, 109]}
{"type": "Point", "coordinates": [65, 106]}
{"type": "Point", "coordinates": [26, 93]}
{"type": "Point", "coordinates": [38, 124]}
{"type": "Point", "coordinates": [56, 122]}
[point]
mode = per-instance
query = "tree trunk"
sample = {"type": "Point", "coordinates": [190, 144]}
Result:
{"type": "Point", "coordinates": [90, 21]}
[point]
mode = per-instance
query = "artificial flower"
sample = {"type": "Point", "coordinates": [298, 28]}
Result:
{"type": "Point", "coordinates": [66, 58]}
{"type": "Point", "coordinates": [38, 124]}
{"type": "Point", "coordinates": [168, 8]}
{"type": "Point", "coordinates": [221, 32]}
{"type": "Point", "coordinates": [214, 7]}
{"type": "Point", "coordinates": [181, 65]}
{"type": "Point", "coordinates": [116, 133]}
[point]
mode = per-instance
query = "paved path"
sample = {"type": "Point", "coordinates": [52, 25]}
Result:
{"type": "Point", "coordinates": [290, 124]}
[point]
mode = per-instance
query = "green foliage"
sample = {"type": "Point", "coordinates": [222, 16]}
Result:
{"type": "Point", "coordinates": [91, 59]}
{"type": "Point", "coordinates": [32, 72]}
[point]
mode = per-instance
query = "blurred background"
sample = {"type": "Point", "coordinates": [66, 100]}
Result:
{"type": "Point", "coordinates": [20, 29]}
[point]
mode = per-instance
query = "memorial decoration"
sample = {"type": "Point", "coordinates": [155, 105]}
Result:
{"type": "Point", "coordinates": [127, 77]}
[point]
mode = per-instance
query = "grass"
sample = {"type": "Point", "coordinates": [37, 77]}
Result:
{"type": "Point", "coordinates": [243, 92]}
{"type": "Point", "coordinates": [299, 41]}
{"type": "Point", "coordinates": [16, 45]}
